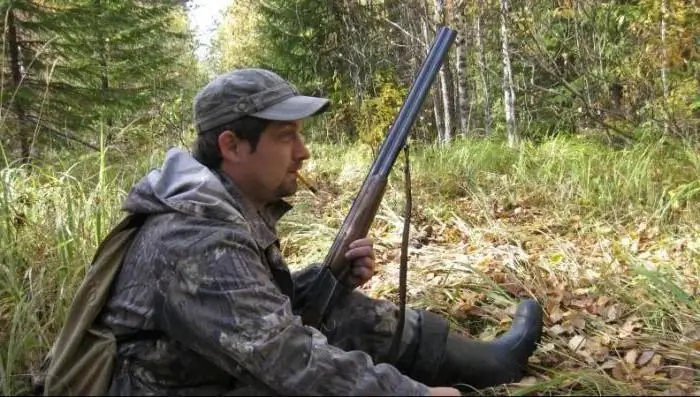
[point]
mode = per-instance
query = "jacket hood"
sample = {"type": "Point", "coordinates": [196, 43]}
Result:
{"type": "Point", "coordinates": [182, 184]}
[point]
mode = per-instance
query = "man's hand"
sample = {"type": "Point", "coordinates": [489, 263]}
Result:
{"type": "Point", "coordinates": [361, 254]}
{"type": "Point", "coordinates": [444, 391]}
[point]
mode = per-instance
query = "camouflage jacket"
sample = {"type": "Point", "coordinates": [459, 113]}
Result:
{"type": "Point", "coordinates": [205, 303]}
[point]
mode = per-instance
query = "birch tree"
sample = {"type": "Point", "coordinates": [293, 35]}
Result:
{"type": "Point", "coordinates": [664, 61]}
{"type": "Point", "coordinates": [508, 89]}
{"type": "Point", "coordinates": [445, 82]}
{"type": "Point", "coordinates": [481, 65]}
{"type": "Point", "coordinates": [461, 65]}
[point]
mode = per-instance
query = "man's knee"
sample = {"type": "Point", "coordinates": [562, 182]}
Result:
{"type": "Point", "coordinates": [360, 322]}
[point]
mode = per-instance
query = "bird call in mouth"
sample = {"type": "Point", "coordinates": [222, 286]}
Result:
{"type": "Point", "coordinates": [306, 183]}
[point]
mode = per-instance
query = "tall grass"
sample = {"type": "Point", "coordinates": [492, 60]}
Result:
{"type": "Point", "coordinates": [566, 175]}
{"type": "Point", "coordinates": [53, 216]}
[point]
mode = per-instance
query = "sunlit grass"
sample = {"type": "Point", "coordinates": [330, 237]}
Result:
{"type": "Point", "coordinates": [606, 239]}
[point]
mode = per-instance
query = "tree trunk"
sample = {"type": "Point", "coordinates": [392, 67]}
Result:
{"type": "Point", "coordinates": [664, 61]}
{"type": "Point", "coordinates": [508, 91]}
{"type": "Point", "coordinates": [463, 98]}
{"type": "Point", "coordinates": [25, 133]}
{"type": "Point", "coordinates": [447, 88]}
{"type": "Point", "coordinates": [446, 81]}
{"type": "Point", "coordinates": [436, 92]}
{"type": "Point", "coordinates": [481, 63]}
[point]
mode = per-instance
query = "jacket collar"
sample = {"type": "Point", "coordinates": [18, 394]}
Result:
{"type": "Point", "coordinates": [263, 223]}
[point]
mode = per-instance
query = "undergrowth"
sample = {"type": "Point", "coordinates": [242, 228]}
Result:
{"type": "Point", "coordinates": [607, 240]}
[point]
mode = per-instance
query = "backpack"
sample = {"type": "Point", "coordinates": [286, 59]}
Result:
{"type": "Point", "coordinates": [81, 360]}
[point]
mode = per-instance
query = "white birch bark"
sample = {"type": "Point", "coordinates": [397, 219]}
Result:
{"type": "Point", "coordinates": [463, 99]}
{"type": "Point", "coordinates": [444, 84]}
{"type": "Point", "coordinates": [435, 96]}
{"type": "Point", "coordinates": [664, 59]}
{"type": "Point", "coordinates": [481, 63]}
{"type": "Point", "coordinates": [508, 91]}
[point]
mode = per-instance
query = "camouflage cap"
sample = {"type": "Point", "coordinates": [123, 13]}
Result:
{"type": "Point", "coordinates": [252, 92]}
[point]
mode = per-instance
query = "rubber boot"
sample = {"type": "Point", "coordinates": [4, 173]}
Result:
{"type": "Point", "coordinates": [438, 357]}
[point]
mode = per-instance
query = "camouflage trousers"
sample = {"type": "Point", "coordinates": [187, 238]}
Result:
{"type": "Point", "coordinates": [359, 322]}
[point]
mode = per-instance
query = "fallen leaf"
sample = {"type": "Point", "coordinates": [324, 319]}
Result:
{"type": "Point", "coordinates": [681, 373]}
{"type": "Point", "coordinates": [556, 315]}
{"type": "Point", "coordinates": [630, 325]}
{"type": "Point", "coordinates": [648, 372]}
{"type": "Point", "coordinates": [627, 344]}
{"type": "Point", "coordinates": [645, 357]}
{"type": "Point", "coordinates": [631, 356]}
{"type": "Point", "coordinates": [611, 313]}
{"type": "Point", "coordinates": [576, 342]}
{"type": "Point", "coordinates": [577, 321]}
{"type": "Point", "coordinates": [600, 353]}
{"type": "Point", "coordinates": [605, 339]}
{"type": "Point", "coordinates": [612, 363]}
{"type": "Point", "coordinates": [619, 371]}
{"type": "Point", "coordinates": [672, 391]}
{"type": "Point", "coordinates": [582, 303]}
{"type": "Point", "coordinates": [546, 348]}
{"type": "Point", "coordinates": [477, 311]}
{"type": "Point", "coordinates": [595, 348]}
{"type": "Point", "coordinates": [527, 381]}
{"type": "Point", "coordinates": [602, 301]}
{"type": "Point", "coordinates": [557, 329]}
{"type": "Point", "coordinates": [581, 291]}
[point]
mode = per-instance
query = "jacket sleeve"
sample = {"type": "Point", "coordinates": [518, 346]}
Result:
{"type": "Point", "coordinates": [303, 279]}
{"type": "Point", "coordinates": [221, 302]}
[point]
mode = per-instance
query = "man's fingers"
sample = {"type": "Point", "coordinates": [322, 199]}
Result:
{"type": "Point", "coordinates": [361, 242]}
{"type": "Point", "coordinates": [359, 252]}
{"type": "Point", "coordinates": [362, 273]}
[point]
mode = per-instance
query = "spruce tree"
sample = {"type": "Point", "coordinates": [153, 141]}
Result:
{"type": "Point", "coordinates": [84, 66]}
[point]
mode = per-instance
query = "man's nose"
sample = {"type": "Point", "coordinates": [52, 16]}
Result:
{"type": "Point", "coordinates": [302, 151]}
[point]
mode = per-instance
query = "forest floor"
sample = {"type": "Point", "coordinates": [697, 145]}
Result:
{"type": "Point", "coordinates": [619, 289]}
{"type": "Point", "coordinates": [607, 240]}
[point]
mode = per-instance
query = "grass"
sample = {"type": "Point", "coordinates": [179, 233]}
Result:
{"type": "Point", "coordinates": [606, 239]}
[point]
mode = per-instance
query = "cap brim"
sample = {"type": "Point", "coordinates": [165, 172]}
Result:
{"type": "Point", "coordinates": [294, 108]}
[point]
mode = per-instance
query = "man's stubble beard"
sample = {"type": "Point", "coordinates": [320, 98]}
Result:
{"type": "Point", "coordinates": [287, 189]}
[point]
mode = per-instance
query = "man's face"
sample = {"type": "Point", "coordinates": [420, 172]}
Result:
{"type": "Point", "coordinates": [270, 172]}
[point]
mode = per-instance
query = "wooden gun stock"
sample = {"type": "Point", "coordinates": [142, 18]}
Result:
{"type": "Point", "coordinates": [329, 283]}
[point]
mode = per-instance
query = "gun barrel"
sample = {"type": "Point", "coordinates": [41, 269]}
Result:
{"type": "Point", "coordinates": [323, 291]}
{"type": "Point", "coordinates": [399, 130]}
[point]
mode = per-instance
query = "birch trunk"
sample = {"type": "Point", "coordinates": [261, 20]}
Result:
{"type": "Point", "coordinates": [664, 60]}
{"type": "Point", "coordinates": [463, 99]}
{"type": "Point", "coordinates": [481, 63]}
{"type": "Point", "coordinates": [446, 86]}
{"type": "Point", "coordinates": [508, 91]}
{"type": "Point", "coordinates": [436, 91]}
{"type": "Point", "coordinates": [446, 81]}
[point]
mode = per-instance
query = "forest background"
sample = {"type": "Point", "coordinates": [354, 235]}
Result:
{"type": "Point", "coordinates": [557, 156]}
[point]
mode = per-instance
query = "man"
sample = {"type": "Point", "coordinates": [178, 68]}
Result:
{"type": "Point", "coordinates": [205, 304]}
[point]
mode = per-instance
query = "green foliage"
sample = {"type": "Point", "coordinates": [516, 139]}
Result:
{"type": "Point", "coordinates": [377, 113]}
{"type": "Point", "coordinates": [593, 64]}
{"type": "Point", "coordinates": [119, 76]}
{"type": "Point", "coordinates": [46, 240]}
{"type": "Point", "coordinates": [293, 45]}
{"type": "Point", "coordinates": [88, 65]}
{"type": "Point", "coordinates": [315, 46]}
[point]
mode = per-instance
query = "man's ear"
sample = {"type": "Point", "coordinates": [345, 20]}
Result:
{"type": "Point", "coordinates": [231, 147]}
